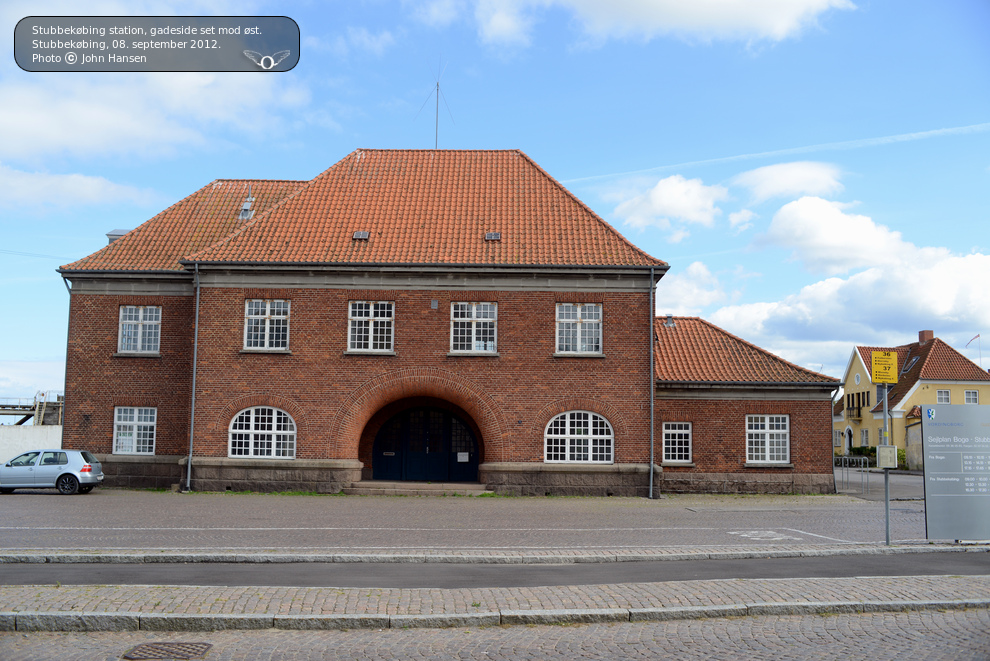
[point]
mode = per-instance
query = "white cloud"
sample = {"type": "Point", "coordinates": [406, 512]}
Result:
{"type": "Point", "coordinates": [689, 292]}
{"type": "Point", "coordinates": [377, 44]}
{"type": "Point", "coordinates": [510, 21]}
{"type": "Point", "coordinates": [141, 114]}
{"type": "Point", "coordinates": [437, 13]}
{"type": "Point", "coordinates": [827, 239]}
{"type": "Point", "coordinates": [886, 305]}
{"type": "Point", "coordinates": [791, 180]}
{"type": "Point", "coordinates": [19, 188]}
{"type": "Point", "coordinates": [673, 198]}
{"type": "Point", "coordinates": [740, 220]}
{"type": "Point", "coordinates": [704, 19]}
{"type": "Point", "coordinates": [22, 379]}
{"type": "Point", "coordinates": [505, 22]}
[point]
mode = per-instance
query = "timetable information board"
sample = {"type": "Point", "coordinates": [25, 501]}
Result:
{"type": "Point", "coordinates": [957, 471]}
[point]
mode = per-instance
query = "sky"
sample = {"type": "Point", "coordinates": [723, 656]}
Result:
{"type": "Point", "coordinates": [815, 172]}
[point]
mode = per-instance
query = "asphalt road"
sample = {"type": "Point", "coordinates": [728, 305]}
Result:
{"type": "Point", "coordinates": [435, 575]}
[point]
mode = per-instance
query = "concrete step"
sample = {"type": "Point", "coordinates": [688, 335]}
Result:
{"type": "Point", "coordinates": [388, 488]}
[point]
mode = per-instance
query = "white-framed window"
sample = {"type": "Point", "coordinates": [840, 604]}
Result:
{"type": "Point", "coordinates": [140, 329]}
{"type": "Point", "coordinates": [864, 438]}
{"type": "Point", "coordinates": [972, 396]}
{"type": "Point", "coordinates": [677, 442]}
{"type": "Point", "coordinates": [262, 431]}
{"type": "Point", "coordinates": [836, 439]}
{"type": "Point", "coordinates": [370, 326]}
{"type": "Point", "coordinates": [579, 328]}
{"type": "Point", "coordinates": [578, 437]}
{"type": "Point", "coordinates": [880, 435]}
{"type": "Point", "coordinates": [473, 327]}
{"type": "Point", "coordinates": [768, 439]}
{"type": "Point", "coordinates": [134, 430]}
{"type": "Point", "coordinates": [266, 324]}
{"type": "Point", "coordinates": [942, 397]}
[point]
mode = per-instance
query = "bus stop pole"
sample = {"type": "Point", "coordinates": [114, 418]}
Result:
{"type": "Point", "coordinates": [886, 471]}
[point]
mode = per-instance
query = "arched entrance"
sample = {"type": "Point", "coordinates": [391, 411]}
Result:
{"type": "Point", "coordinates": [425, 444]}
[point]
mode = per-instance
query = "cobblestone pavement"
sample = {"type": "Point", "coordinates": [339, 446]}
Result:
{"type": "Point", "coordinates": [962, 635]}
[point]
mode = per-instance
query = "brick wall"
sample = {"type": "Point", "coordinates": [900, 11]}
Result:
{"type": "Point", "coordinates": [332, 396]}
{"type": "Point", "coordinates": [719, 446]}
{"type": "Point", "coordinates": [97, 381]}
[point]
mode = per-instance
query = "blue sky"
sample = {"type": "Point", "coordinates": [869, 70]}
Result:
{"type": "Point", "coordinates": [816, 172]}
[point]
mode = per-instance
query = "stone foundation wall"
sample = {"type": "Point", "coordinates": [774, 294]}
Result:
{"type": "Point", "coordinates": [754, 483]}
{"type": "Point", "coordinates": [223, 474]}
{"type": "Point", "coordinates": [537, 479]}
{"type": "Point", "coordinates": [270, 475]}
{"type": "Point", "coordinates": [141, 472]}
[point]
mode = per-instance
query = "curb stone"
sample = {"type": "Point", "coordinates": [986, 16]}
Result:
{"type": "Point", "coordinates": [64, 621]}
{"type": "Point", "coordinates": [138, 557]}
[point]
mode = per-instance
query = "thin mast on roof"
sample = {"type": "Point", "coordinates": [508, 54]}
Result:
{"type": "Point", "coordinates": [436, 125]}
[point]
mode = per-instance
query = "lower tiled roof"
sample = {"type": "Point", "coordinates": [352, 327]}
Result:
{"type": "Point", "coordinates": [693, 350]}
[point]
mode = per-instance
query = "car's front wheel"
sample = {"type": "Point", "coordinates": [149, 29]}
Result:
{"type": "Point", "coordinates": [6, 490]}
{"type": "Point", "coordinates": [67, 484]}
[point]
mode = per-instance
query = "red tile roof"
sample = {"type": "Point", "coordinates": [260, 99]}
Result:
{"type": "Point", "coordinates": [694, 350]}
{"type": "Point", "coordinates": [190, 224]}
{"type": "Point", "coordinates": [936, 361]}
{"type": "Point", "coordinates": [430, 207]}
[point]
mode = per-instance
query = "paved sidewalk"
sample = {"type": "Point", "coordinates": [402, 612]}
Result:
{"type": "Point", "coordinates": [192, 608]}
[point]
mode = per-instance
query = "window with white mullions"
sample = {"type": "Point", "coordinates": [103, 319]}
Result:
{"type": "Point", "coordinates": [370, 326]}
{"type": "Point", "coordinates": [579, 328]}
{"type": "Point", "coordinates": [262, 431]}
{"type": "Point", "coordinates": [578, 437]}
{"type": "Point", "coordinates": [473, 327]}
{"type": "Point", "coordinates": [677, 442]}
{"type": "Point", "coordinates": [768, 439]}
{"type": "Point", "coordinates": [140, 329]}
{"type": "Point", "coordinates": [266, 324]}
{"type": "Point", "coordinates": [134, 430]}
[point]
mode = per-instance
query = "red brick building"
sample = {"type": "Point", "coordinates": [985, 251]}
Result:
{"type": "Point", "coordinates": [444, 316]}
{"type": "Point", "coordinates": [734, 418]}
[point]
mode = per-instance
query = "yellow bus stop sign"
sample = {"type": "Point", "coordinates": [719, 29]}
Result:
{"type": "Point", "coordinates": [884, 367]}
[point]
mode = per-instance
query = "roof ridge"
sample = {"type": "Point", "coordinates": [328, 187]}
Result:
{"type": "Point", "coordinates": [248, 223]}
{"type": "Point", "coordinates": [584, 206]}
{"type": "Point", "coordinates": [107, 248]}
{"type": "Point", "coordinates": [760, 349]}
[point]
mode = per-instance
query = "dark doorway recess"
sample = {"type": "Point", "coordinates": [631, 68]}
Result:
{"type": "Point", "coordinates": [425, 444]}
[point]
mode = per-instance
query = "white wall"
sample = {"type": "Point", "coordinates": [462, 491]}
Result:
{"type": "Point", "coordinates": [15, 439]}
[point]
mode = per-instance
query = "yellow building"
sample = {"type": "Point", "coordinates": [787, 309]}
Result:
{"type": "Point", "coordinates": [929, 372]}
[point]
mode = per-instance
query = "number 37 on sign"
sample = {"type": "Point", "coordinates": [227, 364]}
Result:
{"type": "Point", "coordinates": [884, 367]}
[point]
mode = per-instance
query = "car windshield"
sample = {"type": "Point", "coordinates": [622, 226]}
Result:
{"type": "Point", "coordinates": [26, 459]}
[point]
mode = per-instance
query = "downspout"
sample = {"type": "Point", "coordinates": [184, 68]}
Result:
{"type": "Point", "coordinates": [192, 411]}
{"type": "Point", "coordinates": [65, 372]}
{"type": "Point", "coordinates": [652, 390]}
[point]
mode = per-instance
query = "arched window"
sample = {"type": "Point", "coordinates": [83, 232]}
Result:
{"type": "Point", "coordinates": [262, 431]}
{"type": "Point", "coordinates": [578, 437]}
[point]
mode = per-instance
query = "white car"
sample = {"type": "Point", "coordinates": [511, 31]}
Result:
{"type": "Point", "coordinates": [69, 471]}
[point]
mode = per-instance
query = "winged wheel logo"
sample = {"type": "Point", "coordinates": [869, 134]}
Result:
{"type": "Point", "coordinates": [266, 62]}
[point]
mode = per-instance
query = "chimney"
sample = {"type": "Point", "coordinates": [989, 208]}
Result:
{"type": "Point", "coordinates": [925, 336]}
{"type": "Point", "coordinates": [113, 235]}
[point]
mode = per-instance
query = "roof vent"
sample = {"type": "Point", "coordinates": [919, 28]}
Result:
{"type": "Point", "coordinates": [246, 211]}
{"type": "Point", "coordinates": [361, 236]}
{"type": "Point", "coordinates": [493, 236]}
{"type": "Point", "coordinates": [670, 321]}
{"type": "Point", "coordinates": [113, 235]}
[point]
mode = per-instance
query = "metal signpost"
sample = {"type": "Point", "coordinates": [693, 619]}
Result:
{"type": "Point", "coordinates": [884, 371]}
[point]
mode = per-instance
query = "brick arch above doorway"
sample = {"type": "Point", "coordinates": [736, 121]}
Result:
{"type": "Point", "coordinates": [355, 412]}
